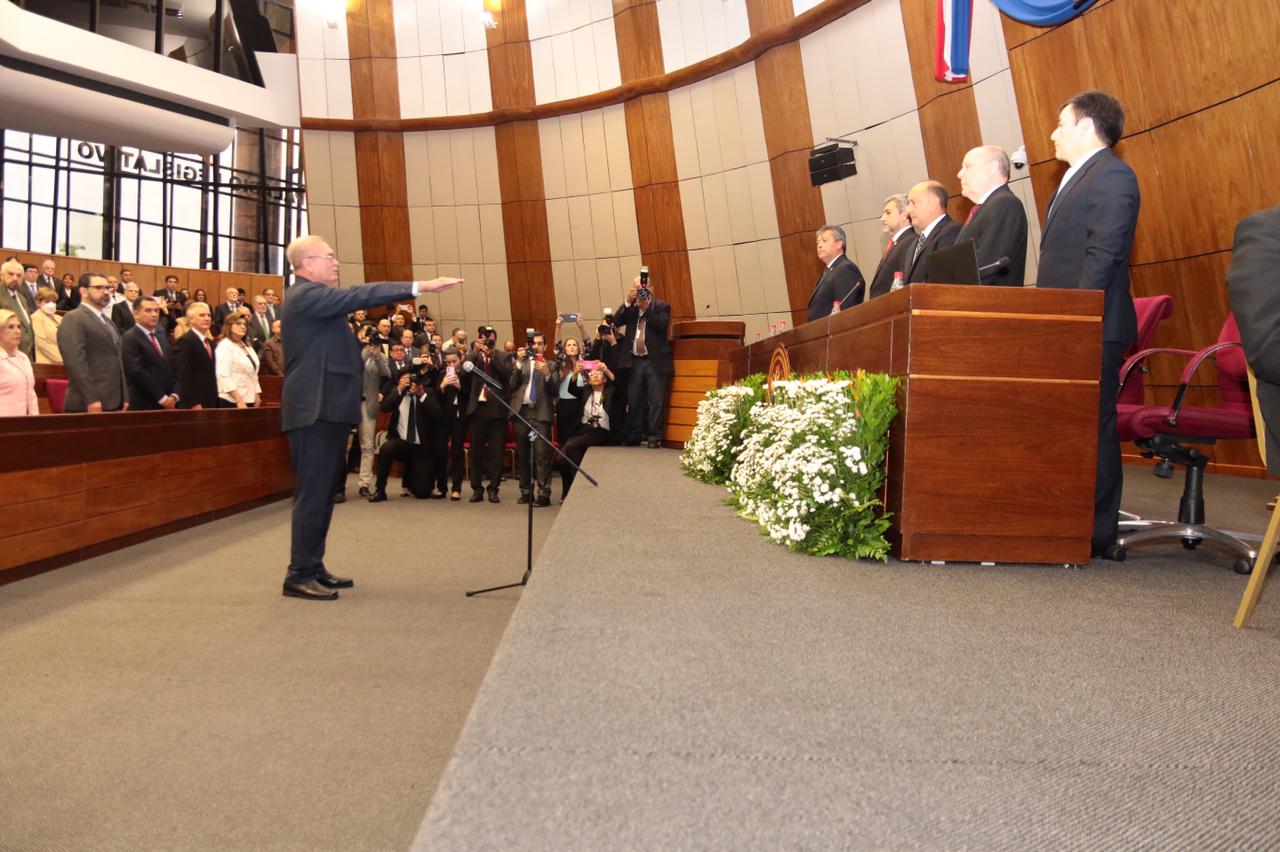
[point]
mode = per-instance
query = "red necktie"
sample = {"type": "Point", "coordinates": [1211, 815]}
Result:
{"type": "Point", "coordinates": [208, 348]}
{"type": "Point", "coordinates": [887, 248]}
{"type": "Point", "coordinates": [972, 212]}
{"type": "Point", "coordinates": [155, 343]}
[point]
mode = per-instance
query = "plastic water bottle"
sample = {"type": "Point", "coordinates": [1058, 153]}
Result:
{"type": "Point", "coordinates": [835, 307]}
{"type": "Point", "coordinates": [898, 282]}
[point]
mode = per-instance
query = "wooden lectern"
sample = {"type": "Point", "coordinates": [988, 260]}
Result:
{"type": "Point", "coordinates": [993, 453]}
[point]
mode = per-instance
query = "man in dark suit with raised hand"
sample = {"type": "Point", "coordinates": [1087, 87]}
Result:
{"type": "Point", "coordinates": [897, 225]}
{"type": "Point", "coordinates": [144, 351]}
{"type": "Point", "coordinates": [927, 207]}
{"type": "Point", "coordinates": [841, 280]}
{"type": "Point", "coordinates": [997, 224]}
{"type": "Point", "coordinates": [1253, 283]}
{"type": "Point", "coordinates": [1085, 245]}
{"type": "Point", "coordinates": [320, 402]}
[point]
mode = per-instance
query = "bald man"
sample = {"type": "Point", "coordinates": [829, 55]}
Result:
{"type": "Point", "coordinates": [997, 224]}
{"type": "Point", "coordinates": [927, 207]}
{"type": "Point", "coordinates": [320, 402]}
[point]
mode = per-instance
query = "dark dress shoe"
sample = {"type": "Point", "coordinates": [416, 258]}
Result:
{"type": "Point", "coordinates": [476, 496]}
{"type": "Point", "coordinates": [378, 497]}
{"type": "Point", "coordinates": [544, 500]}
{"type": "Point", "coordinates": [330, 581]}
{"type": "Point", "coordinates": [524, 498]}
{"type": "Point", "coordinates": [340, 497]}
{"type": "Point", "coordinates": [493, 497]}
{"type": "Point", "coordinates": [437, 495]}
{"type": "Point", "coordinates": [308, 590]}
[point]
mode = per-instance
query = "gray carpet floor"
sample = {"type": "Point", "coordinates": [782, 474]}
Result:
{"type": "Point", "coordinates": [168, 697]}
{"type": "Point", "coordinates": [700, 688]}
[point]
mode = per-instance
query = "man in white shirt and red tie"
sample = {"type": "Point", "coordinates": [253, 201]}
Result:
{"type": "Point", "coordinates": [895, 222]}
{"type": "Point", "coordinates": [194, 364]}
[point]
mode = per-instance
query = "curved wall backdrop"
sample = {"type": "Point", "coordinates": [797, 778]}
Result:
{"type": "Point", "coordinates": [698, 170]}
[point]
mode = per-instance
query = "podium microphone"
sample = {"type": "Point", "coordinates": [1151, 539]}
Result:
{"type": "Point", "coordinates": [994, 266]}
{"type": "Point", "coordinates": [469, 367]}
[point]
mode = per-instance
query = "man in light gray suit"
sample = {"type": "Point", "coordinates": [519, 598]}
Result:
{"type": "Point", "coordinates": [320, 402]}
{"type": "Point", "coordinates": [90, 347]}
{"type": "Point", "coordinates": [376, 373]}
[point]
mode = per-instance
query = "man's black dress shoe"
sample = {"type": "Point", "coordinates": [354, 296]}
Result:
{"type": "Point", "coordinates": [476, 496]}
{"type": "Point", "coordinates": [493, 497]}
{"type": "Point", "coordinates": [330, 581]}
{"type": "Point", "coordinates": [437, 495]}
{"type": "Point", "coordinates": [308, 590]}
{"type": "Point", "coordinates": [340, 497]}
{"type": "Point", "coordinates": [378, 497]}
{"type": "Point", "coordinates": [544, 500]}
{"type": "Point", "coordinates": [524, 498]}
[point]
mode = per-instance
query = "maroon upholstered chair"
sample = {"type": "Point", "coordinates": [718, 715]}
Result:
{"type": "Point", "coordinates": [1165, 433]}
{"type": "Point", "coordinates": [1151, 311]}
{"type": "Point", "coordinates": [56, 391]}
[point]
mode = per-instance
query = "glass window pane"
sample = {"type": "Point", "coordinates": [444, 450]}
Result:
{"type": "Point", "coordinates": [151, 205]}
{"type": "Point", "coordinates": [86, 193]}
{"type": "Point", "coordinates": [151, 244]}
{"type": "Point", "coordinates": [41, 228]}
{"type": "Point", "coordinates": [15, 182]}
{"type": "Point", "coordinates": [15, 225]}
{"type": "Point", "coordinates": [42, 184]}
{"type": "Point", "coordinates": [129, 198]}
{"type": "Point", "coordinates": [184, 249]}
{"type": "Point", "coordinates": [128, 242]}
{"type": "Point", "coordinates": [186, 207]}
{"type": "Point", "coordinates": [86, 232]}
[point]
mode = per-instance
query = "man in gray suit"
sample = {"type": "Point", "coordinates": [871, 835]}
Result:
{"type": "Point", "coordinates": [90, 347]}
{"type": "Point", "coordinates": [11, 299]}
{"type": "Point", "coordinates": [376, 373]}
{"type": "Point", "coordinates": [1253, 283]}
{"type": "Point", "coordinates": [320, 402]}
{"type": "Point", "coordinates": [534, 384]}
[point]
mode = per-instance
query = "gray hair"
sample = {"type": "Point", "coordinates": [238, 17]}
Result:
{"type": "Point", "coordinates": [836, 231]}
{"type": "Point", "coordinates": [898, 200]}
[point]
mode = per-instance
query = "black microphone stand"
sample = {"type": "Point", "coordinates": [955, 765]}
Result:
{"type": "Point", "coordinates": [534, 437]}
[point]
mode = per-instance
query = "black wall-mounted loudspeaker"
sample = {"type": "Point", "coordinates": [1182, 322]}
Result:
{"type": "Point", "coordinates": [831, 162]}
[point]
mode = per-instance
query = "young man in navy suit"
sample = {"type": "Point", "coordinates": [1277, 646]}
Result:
{"type": "Point", "coordinates": [1085, 245]}
{"type": "Point", "coordinates": [320, 402]}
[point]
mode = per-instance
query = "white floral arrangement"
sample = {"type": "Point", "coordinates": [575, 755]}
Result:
{"type": "Point", "coordinates": [712, 447]}
{"type": "Point", "coordinates": [807, 466]}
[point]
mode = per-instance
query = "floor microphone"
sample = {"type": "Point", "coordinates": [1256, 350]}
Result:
{"type": "Point", "coordinates": [470, 368]}
{"type": "Point", "coordinates": [994, 266]}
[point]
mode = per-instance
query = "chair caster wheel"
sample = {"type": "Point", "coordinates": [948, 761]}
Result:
{"type": "Point", "coordinates": [1191, 543]}
{"type": "Point", "coordinates": [1242, 566]}
{"type": "Point", "coordinates": [1116, 553]}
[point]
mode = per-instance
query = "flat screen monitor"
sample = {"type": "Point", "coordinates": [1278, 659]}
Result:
{"type": "Point", "coordinates": [955, 264]}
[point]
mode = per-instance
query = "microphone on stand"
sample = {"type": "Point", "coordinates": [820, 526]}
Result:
{"type": "Point", "coordinates": [469, 367]}
{"type": "Point", "coordinates": [994, 266]}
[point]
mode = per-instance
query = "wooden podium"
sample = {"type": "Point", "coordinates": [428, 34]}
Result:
{"type": "Point", "coordinates": [993, 453]}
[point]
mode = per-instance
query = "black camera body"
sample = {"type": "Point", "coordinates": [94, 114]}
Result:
{"type": "Point", "coordinates": [643, 292]}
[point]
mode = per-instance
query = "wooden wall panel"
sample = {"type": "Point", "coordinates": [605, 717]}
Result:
{"type": "Point", "coordinates": [380, 170]}
{"type": "Point", "coordinates": [1200, 133]}
{"type": "Point", "coordinates": [524, 206]}
{"type": "Point", "coordinates": [788, 138]}
{"type": "Point", "coordinates": [949, 128]}
{"type": "Point", "coordinates": [659, 211]}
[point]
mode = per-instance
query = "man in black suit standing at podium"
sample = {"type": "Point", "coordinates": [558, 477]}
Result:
{"type": "Point", "coordinates": [927, 207]}
{"type": "Point", "coordinates": [997, 224]}
{"type": "Point", "coordinates": [1085, 245]}
{"type": "Point", "coordinates": [895, 223]}
{"type": "Point", "coordinates": [841, 281]}
{"type": "Point", "coordinates": [320, 402]}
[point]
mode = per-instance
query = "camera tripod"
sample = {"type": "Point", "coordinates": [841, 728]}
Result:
{"type": "Point", "coordinates": [534, 437]}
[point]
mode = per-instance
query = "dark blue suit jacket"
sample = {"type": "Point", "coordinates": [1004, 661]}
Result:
{"type": "Point", "coordinates": [322, 366]}
{"type": "Point", "coordinates": [1087, 238]}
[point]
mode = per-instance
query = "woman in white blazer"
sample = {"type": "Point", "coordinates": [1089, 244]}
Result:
{"type": "Point", "coordinates": [237, 364]}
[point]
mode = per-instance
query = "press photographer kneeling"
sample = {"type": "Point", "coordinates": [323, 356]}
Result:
{"type": "Point", "coordinates": [414, 405]}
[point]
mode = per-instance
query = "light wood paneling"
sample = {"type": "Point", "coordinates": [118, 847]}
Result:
{"type": "Point", "coordinates": [949, 127]}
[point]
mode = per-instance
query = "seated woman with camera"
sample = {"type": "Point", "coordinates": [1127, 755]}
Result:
{"type": "Point", "coordinates": [595, 427]}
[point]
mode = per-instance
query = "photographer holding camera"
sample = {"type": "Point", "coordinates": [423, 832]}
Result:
{"type": "Point", "coordinates": [455, 392]}
{"type": "Point", "coordinates": [375, 372]}
{"type": "Point", "coordinates": [488, 417]}
{"type": "Point", "coordinates": [646, 351]}
{"type": "Point", "coordinates": [415, 412]}
{"type": "Point", "coordinates": [534, 383]}
{"type": "Point", "coordinates": [594, 429]}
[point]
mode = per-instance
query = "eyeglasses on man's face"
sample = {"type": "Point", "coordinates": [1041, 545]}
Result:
{"type": "Point", "coordinates": [330, 256]}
